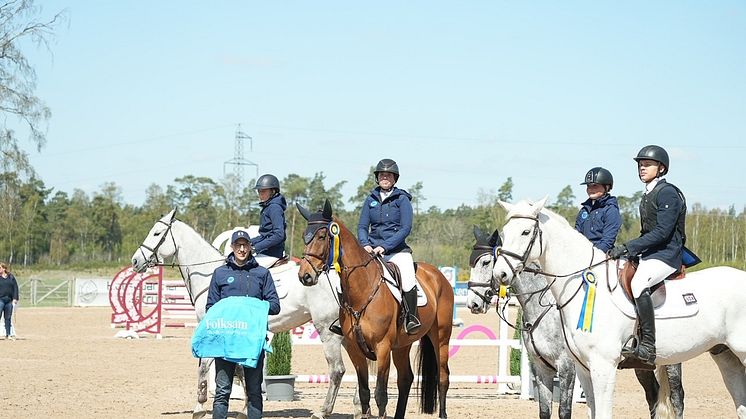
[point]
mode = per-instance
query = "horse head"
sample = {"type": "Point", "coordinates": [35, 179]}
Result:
{"type": "Point", "coordinates": [155, 248]}
{"type": "Point", "coordinates": [482, 285]}
{"type": "Point", "coordinates": [522, 240]}
{"type": "Point", "coordinates": [317, 242]}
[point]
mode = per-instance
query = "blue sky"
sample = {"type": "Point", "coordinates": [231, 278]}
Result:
{"type": "Point", "coordinates": [462, 95]}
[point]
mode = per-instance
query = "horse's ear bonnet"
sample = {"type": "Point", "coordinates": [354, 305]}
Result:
{"type": "Point", "coordinates": [317, 220]}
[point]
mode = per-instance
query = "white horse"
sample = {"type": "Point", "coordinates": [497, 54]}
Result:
{"type": "Point", "coordinates": [540, 327]}
{"type": "Point", "coordinates": [541, 330]}
{"type": "Point", "coordinates": [197, 259]}
{"type": "Point", "coordinates": [703, 312]}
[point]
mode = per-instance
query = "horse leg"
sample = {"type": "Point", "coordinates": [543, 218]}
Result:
{"type": "Point", "coordinates": [333, 354]}
{"type": "Point", "coordinates": [734, 376]}
{"type": "Point", "coordinates": [383, 355]}
{"type": "Point", "coordinates": [360, 362]}
{"type": "Point", "coordinates": [603, 377]}
{"type": "Point", "coordinates": [203, 369]}
{"type": "Point", "coordinates": [441, 341]}
{"type": "Point", "coordinates": [404, 379]}
{"type": "Point", "coordinates": [585, 381]}
{"type": "Point", "coordinates": [566, 371]}
{"type": "Point", "coordinates": [676, 389]}
{"type": "Point", "coordinates": [647, 380]}
{"type": "Point", "coordinates": [544, 382]}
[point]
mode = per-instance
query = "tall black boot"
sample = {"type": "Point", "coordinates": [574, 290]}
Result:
{"type": "Point", "coordinates": [645, 349]}
{"type": "Point", "coordinates": [412, 323]}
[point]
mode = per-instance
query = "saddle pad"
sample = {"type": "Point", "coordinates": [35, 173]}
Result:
{"type": "Point", "coordinates": [680, 301]}
{"type": "Point", "coordinates": [421, 297]}
{"type": "Point", "coordinates": [281, 275]}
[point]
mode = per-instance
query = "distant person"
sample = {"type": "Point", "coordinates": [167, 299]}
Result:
{"type": "Point", "coordinates": [599, 219]}
{"type": "Point", "coordinates": [269, 246]}
{"type": "Point", "coordinates": [660, 245]}
{"type": "Point", "coordinates": [240, 276]}
{"type": "Point", "coordinates": [385, 222]}
{"type": "Point", "coordinates": [8, 297]}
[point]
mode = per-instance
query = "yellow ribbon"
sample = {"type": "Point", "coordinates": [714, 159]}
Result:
{"type": "Point", "coordinates": [585, 322]}
{"type": "Point", "coordinates": [334, 231]}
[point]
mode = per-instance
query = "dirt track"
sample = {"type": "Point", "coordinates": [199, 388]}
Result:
{"type": "Point", "coordinates": [67, 364]}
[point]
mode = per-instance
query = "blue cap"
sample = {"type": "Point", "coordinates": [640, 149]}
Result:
{"type": "Point", "coordinates": [240, 234]}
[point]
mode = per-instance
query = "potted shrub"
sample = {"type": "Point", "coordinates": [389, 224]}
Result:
{"type": "Point", "coordinates": [279, 382]}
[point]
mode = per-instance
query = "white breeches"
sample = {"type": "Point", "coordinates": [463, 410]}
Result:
{"type": "Point", "coordinates": [264, 260]}
{"type": "Point", "coordinates": [404, 261]}
{"type": "Point", "coordinates": [649, 273]}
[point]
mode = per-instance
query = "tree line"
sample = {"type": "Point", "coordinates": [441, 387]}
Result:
{"type": "Point", "coordinates": [53, 228]}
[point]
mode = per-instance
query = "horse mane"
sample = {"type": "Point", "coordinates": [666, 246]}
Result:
{"type": "Point", "coordinates": [525, 207]}
{"type": "Point", "coordinates": [196, 234]}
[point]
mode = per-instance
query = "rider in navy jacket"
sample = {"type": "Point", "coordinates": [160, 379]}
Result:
{"type": "Point", "coordinates": [249, 280]}
{"type": "Point", "coordinates": [271, 239]}
{"type": "Point", "coordinates": [390, 221]}
{"type": "Point", "coordinates": [599, 221]}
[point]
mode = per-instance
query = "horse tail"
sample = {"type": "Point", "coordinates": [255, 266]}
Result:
{"type": "Point", "coordinates": [427, 368]}
{"type": "Point", "coordinates": [664, 407]}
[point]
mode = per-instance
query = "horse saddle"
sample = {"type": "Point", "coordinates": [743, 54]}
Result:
{"type": "Point", "coordinates": [392, 277]}
{"type": "Point", "coordinates": [671, 297]}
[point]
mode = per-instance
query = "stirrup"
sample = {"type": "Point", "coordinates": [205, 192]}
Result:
{"type": "Point", "coordinates": [336, 328]}
{"type": "Point", "coordinates": [412, 325]}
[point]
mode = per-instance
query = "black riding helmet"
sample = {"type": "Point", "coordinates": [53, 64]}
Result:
{"type": "Point", "coordinates": [656, 153]}
{"type": "Point", "coordinates": [387, 165]}
{"type": "Point", "coordinates": [600, 176]}
{"type": "Point", "coordinates": [267, 182]}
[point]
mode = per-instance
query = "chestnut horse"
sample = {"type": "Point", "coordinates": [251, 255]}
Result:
{"type": "Point", "coordinates": [372, 320]}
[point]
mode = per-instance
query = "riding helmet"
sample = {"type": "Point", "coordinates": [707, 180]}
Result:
{"type": "Point", "coordinates": [656, 153]}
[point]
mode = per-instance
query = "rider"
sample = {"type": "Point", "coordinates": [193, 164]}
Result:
{"type": "Point", "coordinates": [599, 219]}
{"type": "Point", "coordinates": [385, 222]}
{"type": "Point", "coordinates": [269, 246]}
{"type": "Point", "coordinates": [660, 245]}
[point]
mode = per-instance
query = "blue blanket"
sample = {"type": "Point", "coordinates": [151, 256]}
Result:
{"type": "Point", "coordinates": [235, 328]}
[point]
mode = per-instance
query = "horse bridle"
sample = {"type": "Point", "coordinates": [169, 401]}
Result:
{"type": "Point", "coordinates": [500, 252]}
{"type": "Point", "coordinates": [152, 260]}
{"type": "Point", "coordinates": [491, 286]}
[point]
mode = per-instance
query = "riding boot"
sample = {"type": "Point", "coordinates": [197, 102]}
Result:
{"type": "Point", "coordinates": [412, 323]}
{"type": "Point", "coordinates": [645, 349]}
{"type": "Point", "coordinates": [335, 327]}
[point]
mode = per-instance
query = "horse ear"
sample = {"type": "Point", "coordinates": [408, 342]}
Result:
{"type": "Point", "coordinates": [327, 210]}
{"type": "Point", "coordinates": [495, 240]}
{"type": "Point", "coordinates": [477, 233]}
{"type": "Point", "coordinates": [173, 212]}
{"type": "Point", "coordinates": [539, 205]}
{"type": "Point", "coordinates": [303, 211]}
{"type": "Point", "coordinates": [506, 205]}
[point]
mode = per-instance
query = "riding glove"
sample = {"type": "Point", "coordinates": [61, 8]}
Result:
{"type": "Point", "coordinates": [618, 251]}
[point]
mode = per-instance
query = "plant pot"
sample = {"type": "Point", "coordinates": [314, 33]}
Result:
{"type": "Point", "coordinates": [280, 387]}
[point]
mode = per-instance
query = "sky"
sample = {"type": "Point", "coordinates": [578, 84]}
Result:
{"type": "Point", "coordinates": [463, 95]}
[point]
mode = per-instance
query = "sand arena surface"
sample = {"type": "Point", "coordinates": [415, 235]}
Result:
{"type": "Point", "coordinates": [66, 364]}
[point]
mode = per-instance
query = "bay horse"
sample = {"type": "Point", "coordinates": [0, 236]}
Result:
{"type": "Point", "coordinates": [197, 259]}
{"type": "Point", "coordinates": [541, 330]}
{"type": "Point", "coordinates": [372, 319]}
{"type": "Point", "coordinates": [703, 312]}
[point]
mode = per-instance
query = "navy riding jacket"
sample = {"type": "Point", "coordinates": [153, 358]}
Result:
{"type": "Point", "coordinates": [599, 221]}
{"type": "Point", "coordinates": [249, 280]}
{"type": "Point", "coordinates": [388, 223]}
{"type": "Point", "coordinates": [662, 237]}
{"type": "Point", "coordinates": [271, 239]}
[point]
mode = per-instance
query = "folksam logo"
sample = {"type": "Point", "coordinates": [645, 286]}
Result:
{"type": "Point", "coordinates": [222, 323]}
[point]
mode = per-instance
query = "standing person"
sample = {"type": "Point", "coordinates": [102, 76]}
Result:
{"type": "Point", "coordinates": [660, 245]}
{"type": "Point", "coordinates": [385, 222]}
{"type": "Point", "coordinates": [8, 297]}
{"type": "Point", "coordinates": [269, 246]}
{"type": "Point", "coordinates": [599, 219]}
{"type": "Point", "coordinates": [240, 276]}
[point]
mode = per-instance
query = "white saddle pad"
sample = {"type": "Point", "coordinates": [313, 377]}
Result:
{"type": "Point", "coordinates": [421, 297]}
{"type": "Point", "coordinates": [679, 300]}
{"type": "Point", "coordinates": [281, 275]}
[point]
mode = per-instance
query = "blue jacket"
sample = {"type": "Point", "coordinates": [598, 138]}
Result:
{"type": "Point", "coordinates": [249, 280]}
{"type": "Point", "coordinates": [9, 288]}
{"type": "Point", "coordinates": [235, 329]}
{"type": "Point", "coordinates": [662, 215]}
{"type": "Point", "coordinates": [271, 239]}
{"type": "Point", "coordinates": [386, 224]}
{"type": "Point", "coordinates": [600, 221]}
